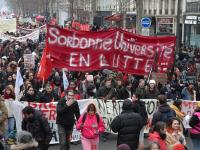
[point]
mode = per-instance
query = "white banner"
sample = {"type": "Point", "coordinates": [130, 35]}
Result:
{"type": "Point", "coordinates": [108, 110]}
{"type": "Point", "coordinates": [33, 36]}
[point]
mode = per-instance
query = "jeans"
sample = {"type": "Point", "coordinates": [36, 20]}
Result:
{"type": "Point", "coordinates": [195, 143]}
{"type": "Point", "coordinates": [64, 137]}
{"type": "Point", "coordinates": [10, 125]}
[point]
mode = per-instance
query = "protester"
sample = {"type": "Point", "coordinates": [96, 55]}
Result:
{"type": "Point", "coordinates": [164, 112]}
{"type": "Point", "coordinates": [128, 125]}
{"type": "Point", "coordinates": [188, 92]}
{"type": "Point", "coordinates": [67, 108]}
{"type": "Point", "coordinates": [48, 95]}
{"type": "Point", "coordinates": [3, 117]}
{"type": "Point", "coordinates": [91, 125]}
{"type": "Point", "coordinates": [9, 96]}
{"type": "Point", "coordinates": [107, 92]}
{"type": "Point", "coordinates": [123, 147]}
{"type": "Point", "coordinates": [126, 92]}
{"type": "Point", "coordinates": [139, 107]}
{"type": "Point", "coordinates": [174, 133]}
{"type": "Point", "coordinates": [153, 146]}
{"type": "Point", "coordinates": [35, 123]}
{"type": "Point", "coordinates": [176, 106]}
{"type": "Point", "coordinates": [25, 141]}
{"type": "Point", "coordinates": [141, 89]}
{"type": "Point", "coordinates": [29, 96]}
{"type": "Point", "coordinates": [195, 130]}
{"type": "Point", "coordinates": [151, 90]}
{"type": "Point", "coordinates": [158, 135]}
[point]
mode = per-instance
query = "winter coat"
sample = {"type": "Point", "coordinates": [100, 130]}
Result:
{"type": "Point", "coordinates": [139, 107]}
{"type": "Point", "coordinates": [49, 97]}
{"type": "Point", "coordinates": [195, 124]}
{"type": "Point", "coordinates": [155, 137]}
{"type": "Point", "coordinates": [29, 98]}
{"type": "Point", "coordinates": [128, 125]}
{"type": "Point", "coordinates": [163, 110]}
{"type": "Point", "coordinates": [87, 129]}
{"type": "Point", "coordinates": [65, 114]}
{"type": "Point", "coordinates": [3, 116]}
{"type": "Point", "coordinates": [109, 93]}
{"type": "Point", "coordinates": [28, 146]}
{"type": "Point", "coordinates": [172, 140]}
{"type": "Point", "coordinates": [152, 94]}
{"type": "Point", "coordinates": [8, 103]}
{"type": "Point", "coordinates": [179, 114]}
{"type": "Point", "coordinates": [142, 92]}
{"type": "Point", "coordinates": [124, 93]}
{"type": "Point", "coordinates": [39, 127]}
{"type": "Point", "coordinates": [186, 94]}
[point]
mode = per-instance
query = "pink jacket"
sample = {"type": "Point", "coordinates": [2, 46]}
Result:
{"type": "Point", "coordinates": [90, 129]}
{"type": "Point", "coordinates": [156, 138]}
{"type": "Point", "coordinates": [196, 128]}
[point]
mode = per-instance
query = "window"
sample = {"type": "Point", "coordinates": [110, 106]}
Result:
{"type": "Point", "coordinates": [149, 11]}
{"type": "Point", "coordinates": [154, 12]}
{"type": "Point", "coordinates": [166, 11]}
{"type": "Point", "coordinates": [145, 12]}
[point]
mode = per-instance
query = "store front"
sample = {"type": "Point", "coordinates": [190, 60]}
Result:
{"type": "Point", "coordinates": [165, 26]}
{"type": "Point", "coordinates": [192, 30]}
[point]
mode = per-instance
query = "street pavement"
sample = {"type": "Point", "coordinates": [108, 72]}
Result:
{"type": "Point", "coordinates": [110, 144]}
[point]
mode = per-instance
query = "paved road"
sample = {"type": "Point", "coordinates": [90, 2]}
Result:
{"type": "Point", "coordinates": [110, 144]}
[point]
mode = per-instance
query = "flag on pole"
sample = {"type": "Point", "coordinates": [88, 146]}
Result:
{"type": "Point", "coordinates": [65, 80]}
{"type": "Point", "coordinates": [18, 83]}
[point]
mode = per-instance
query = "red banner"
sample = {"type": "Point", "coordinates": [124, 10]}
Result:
{"type": "Point", "coordinates": [115, 49]}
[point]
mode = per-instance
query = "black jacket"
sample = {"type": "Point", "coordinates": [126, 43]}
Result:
{"type": "Point", "coordinates": [39, 127]}
{"type": "Point", "coordinates": [139, 107]}
{"type": "Point", "coordinates": [48, 97]}
{"type": "Point", "coordinates": [65, 114]}
{"type": "Point", "coordinates": [128, 125]}
{"type": "Point", "coordinates": [106, 92]}
{"type": "Point", "coordinates": [124, 94]}
{"type": "Point", "coordinates": [163, 111]}
{"type": "Point", "coordinates": [29, 98]}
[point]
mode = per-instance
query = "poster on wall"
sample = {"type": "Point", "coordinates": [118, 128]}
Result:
{"type": "Point", "coordinates": [164, 26]}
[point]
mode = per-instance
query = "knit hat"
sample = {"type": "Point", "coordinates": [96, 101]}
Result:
{"type": "Point", "coordinates": [179, 147]}
{"type": "Point", "coordinates": [123, 147]}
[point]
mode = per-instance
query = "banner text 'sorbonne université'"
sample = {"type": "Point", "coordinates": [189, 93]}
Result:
{"type": "Point", "coordinates": [108, 110]}
{"type": "Point", "coordinates": [114, 49]}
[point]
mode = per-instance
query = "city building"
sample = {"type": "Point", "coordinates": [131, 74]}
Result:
{"type": "Point", "coordinates": [163, 14]}
{"type": "Point", "coordinates": [191, 23]}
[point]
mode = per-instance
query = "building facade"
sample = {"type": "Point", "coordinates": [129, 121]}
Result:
{"type": "Point", "coordinates": [191, 23]}
{"type": "Point", "coordinates": [163, 14]}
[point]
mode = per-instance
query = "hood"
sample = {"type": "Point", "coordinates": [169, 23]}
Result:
{"type": "Point", "coordinates": [153, 136]}
{"type": "Point", "coordinates": [21, 146]}
{"type": "Point", "coordinates": [127, 105]}
{"type": "Point", "coordinates": [164, 108]}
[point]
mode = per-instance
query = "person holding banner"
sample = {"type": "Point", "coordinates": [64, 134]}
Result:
{"type": "Point", "coordinates": [91, 125]}
{"type": "Point", "coordinates": [66, 109]}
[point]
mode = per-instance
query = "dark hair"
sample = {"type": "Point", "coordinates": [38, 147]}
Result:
{"type": "Point", "coordinates": [88, 108]}
{"type": "Point", "coordinates": [169, 124]}
{"type": "Point", "coordinates": [162, 99]}
{"type": "Point", "coordinates": [28, 110]}
{"type": "Point", "coordinates": [138, 95]}
{"type": "Point", "coordinates": [178, 103]}
{"type": "Point", "coordinates": [159, 127]}
{"type": "Point", "coordinates": [150, 144]}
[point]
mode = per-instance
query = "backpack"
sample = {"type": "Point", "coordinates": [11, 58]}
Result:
{"type": "Point", "coordinates": [84, 117]}
{"type": "Point", "coordinates": [165, 117]}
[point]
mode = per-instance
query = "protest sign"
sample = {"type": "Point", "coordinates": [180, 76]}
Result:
{"type": "Point", "coordinates": [29, 61]}
{"type": "Point", "coordinates": [108, 110]}
{"type": "Point", "coordinates": [114, 49]}
{"type": "Point", "coordinates": [8, 25]}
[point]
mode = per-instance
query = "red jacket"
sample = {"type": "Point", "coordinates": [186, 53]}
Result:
{"type": "Point", "coordinates": [156, 138]}
{"type": "Point", "coordinates": [87, 129]}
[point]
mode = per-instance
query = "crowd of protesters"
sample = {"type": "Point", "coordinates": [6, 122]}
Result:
{"type": "Point", "coordinates": [167, 130]}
